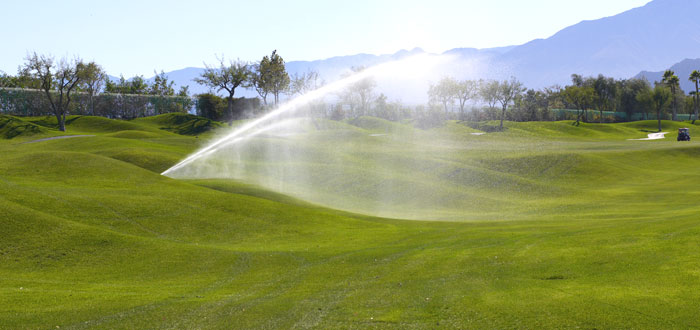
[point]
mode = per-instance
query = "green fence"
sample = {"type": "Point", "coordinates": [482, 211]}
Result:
{"type": "Point", "coordinates": [610, 116]}
{"type": "Point", "coordinates": [33, 102]}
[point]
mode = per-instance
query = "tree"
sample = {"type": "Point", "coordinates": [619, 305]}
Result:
{"type": "Point", "coordinates": [92, 79]}
{"type": "Point", "coordinates": [672, 81]}
{"type": "Point", "coordinates": [359, 95]}
{"type": "Point", "coordinates": [445, 92]}
{"type": "Point", "coordinates": [695, 77]}
{"type": "Point", "coordinates": [184, 91]}
{"type": "Point", "coordinates": [9, 81]}
{"type": "Point", "coordinates": [57, 81]}
{"type": "Point", "coordinates": [465, 90]}
{"type": "Point", "coordinates": [577, 80]}
{"type": "Point", "coordinates": [210, 106]}
{"type": "Point", "coordinates": [488, 92]}
{"type": "Point", "coordinates": [628, 91]}
{"type": "Point", "coordinates": [226, 77]}
{"type": "Point", "coordinates": [137, 85]}
{"type": "Point", "coordinates": [581, 97]}
{"type": "Point", "coordinates": [270, 77]}
{"type": "Point", "coordinates": [161, 86]}
{"type": "Point", "coordinates": [656, 100]}
{"type": "Point", "coordinates": [257, 81]}
{"type": "Point", "coordinates": [606, 90]}
{"type": "Point", "coordinates": [530, 105]}
{"type": "Point", "coordinates": [506, 93]}
{"type": "Point", "coordinates": [303, 83]}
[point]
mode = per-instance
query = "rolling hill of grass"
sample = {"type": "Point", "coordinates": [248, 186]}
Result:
{"type": "Point", "coordinates": [552, 226]}
{"type": "Point", "coordinates": [13, 127]}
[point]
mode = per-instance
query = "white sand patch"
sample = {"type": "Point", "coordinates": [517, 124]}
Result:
{"type": "Point", "coordinates": [478, 133]}
{"type": "Point", "coordinates": [652, 136]}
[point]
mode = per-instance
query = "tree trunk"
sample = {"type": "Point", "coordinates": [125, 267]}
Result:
{"type": "Point", "coordinates": [92, 105]}
{"type": "Point", "coordinates": [503, 115]}
{"type": "Point", "coordinates": [578, 117]}
{"type": "Point", "coordinates": [658, 118]}
{"type": "Point", "coordinates": [230, 109]}
{"type": "Point", "coordinates": [61, 121]}
{"type": "Point", "coordinates": [697, 98]}
{"type": "Point", "coordinates": [601, 116]}
{"type": "Point", "coordinates": [675, 108]}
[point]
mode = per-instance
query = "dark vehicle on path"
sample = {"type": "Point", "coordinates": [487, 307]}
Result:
{"type": "Point", "coordinates": [683, 134]}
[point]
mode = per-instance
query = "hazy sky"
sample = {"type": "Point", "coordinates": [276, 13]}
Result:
{"type": "Point", "coordinates": [137, 37]}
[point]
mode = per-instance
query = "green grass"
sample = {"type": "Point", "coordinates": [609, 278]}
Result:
{"type": "Point", "coordinates": [551, 226]}
{"type": "Point", "coordinates": [14, 127]}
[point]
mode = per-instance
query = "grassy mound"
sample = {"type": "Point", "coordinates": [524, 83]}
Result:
{"type": "Point", "coordinates": [151, 159]}
{"type": "Point", "coordinates": [581, 228]}
{"type": "Point", "coordinates": [181, 123]}
{"type": "Point", "coordinates": [11, 127]}
{"type": "Point", "coordinates": [89, 124]}
{"type": "Point", "coordinates": [131, 134]}
{"type": "Point", "coordinates": [377, 124]}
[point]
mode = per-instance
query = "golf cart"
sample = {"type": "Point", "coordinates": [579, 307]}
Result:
{"type": "Point", "coordinates": [683, 134]}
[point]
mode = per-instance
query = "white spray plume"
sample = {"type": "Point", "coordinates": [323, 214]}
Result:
{"type": "Point", "coordinates": [416, 66]}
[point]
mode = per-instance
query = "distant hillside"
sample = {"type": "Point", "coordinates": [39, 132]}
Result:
{"type": "Point", "coordinates": [652, 37]}
{"type": "Point", "coordinates": [682, 70]}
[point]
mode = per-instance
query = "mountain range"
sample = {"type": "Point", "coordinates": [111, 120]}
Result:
{"type": "Point", "coordinates": [652, 37]}
{"type": "Point", "coordinates": [682, 70]}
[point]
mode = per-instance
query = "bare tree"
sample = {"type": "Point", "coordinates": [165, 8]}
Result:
{"type": "Point", "coordinates": [303, 83]}
{"type": "Point", "coordinates": [57, 81]}
{"type": "Point", "coordinates": [226, 77]}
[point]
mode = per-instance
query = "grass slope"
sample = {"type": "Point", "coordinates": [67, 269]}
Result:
{"type": "Point", "coordinates": [602, 234]}
{"type": "Point", "coordinates": [14, 127]}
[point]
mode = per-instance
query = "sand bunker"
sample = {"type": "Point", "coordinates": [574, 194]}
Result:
{"type": "Point", "coordinates": [652, 136]}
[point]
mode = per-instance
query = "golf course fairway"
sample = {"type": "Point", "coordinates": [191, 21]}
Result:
{"type": "Point", "coordinates": [544, 225]}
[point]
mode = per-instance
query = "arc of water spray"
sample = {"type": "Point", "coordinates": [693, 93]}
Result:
{"type": "Point", "coordinates": [237, 134]}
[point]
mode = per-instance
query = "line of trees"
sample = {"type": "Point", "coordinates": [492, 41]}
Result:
{"type": "Point", "coordinates": [45, 85]}
{"type": "Point", "coordinates": [622, 99]}
{"type": "Point", "coordinates": [76, 86]}
{"type": "Point", "coordinates": [268, 77]}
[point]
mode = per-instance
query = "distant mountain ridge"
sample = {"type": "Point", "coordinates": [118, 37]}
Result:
{"type": "Point", "coordinates": [651, 37]}
{"type": "Point", "coordinates": [682, 70]}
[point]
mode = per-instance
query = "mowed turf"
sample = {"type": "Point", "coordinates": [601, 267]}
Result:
{"type": "Point", "coordinates": [593, 231]}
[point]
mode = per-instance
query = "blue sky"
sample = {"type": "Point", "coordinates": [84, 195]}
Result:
{"type": "Point", "coordinates": [138, 37]}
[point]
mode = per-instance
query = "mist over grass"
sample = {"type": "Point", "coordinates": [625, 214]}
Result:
{"type": "Point", "coordinates": [372, 166]}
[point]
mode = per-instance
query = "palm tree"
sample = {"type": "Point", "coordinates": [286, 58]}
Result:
{"type": "Point", "coordinates": [671, 80]}
{"type": "Point", "coordinates": [695, 77]}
